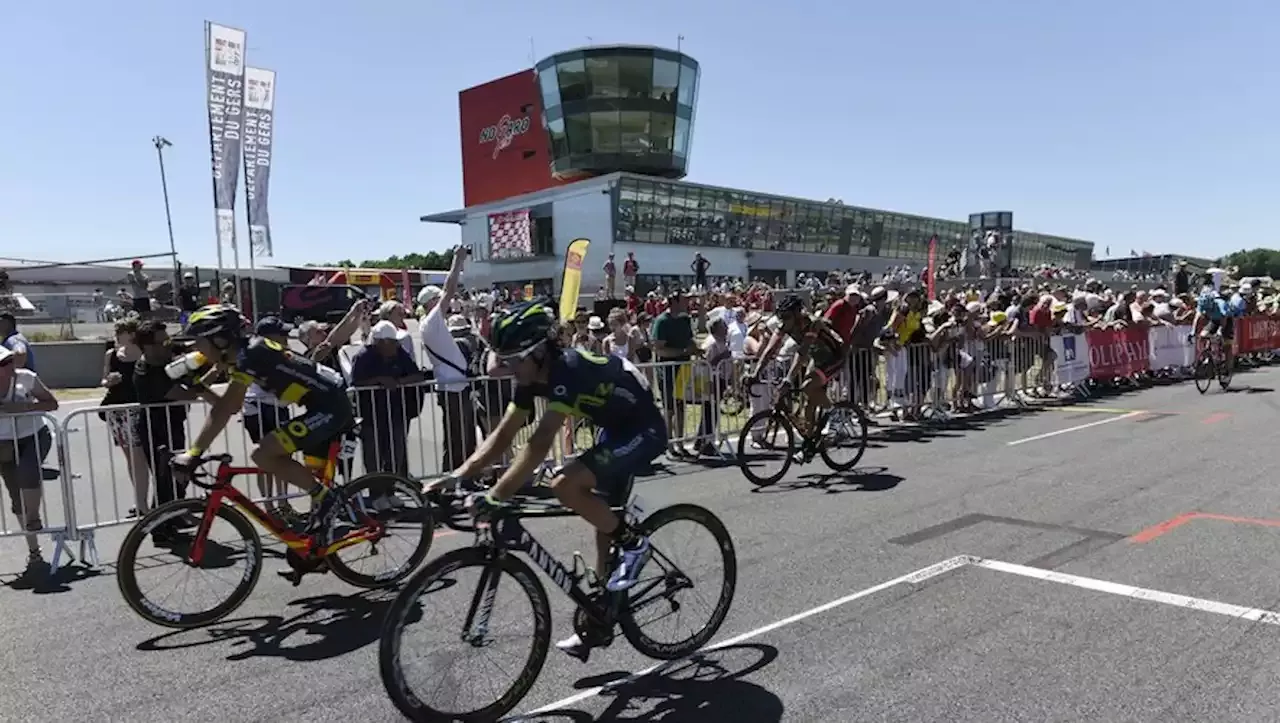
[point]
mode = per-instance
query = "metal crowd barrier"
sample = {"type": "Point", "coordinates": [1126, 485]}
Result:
{"type": "Point", "coordinates": [107, 469]}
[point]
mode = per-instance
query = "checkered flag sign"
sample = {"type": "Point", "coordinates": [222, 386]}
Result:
{"type": "Point", "coordinates": [510, 235]}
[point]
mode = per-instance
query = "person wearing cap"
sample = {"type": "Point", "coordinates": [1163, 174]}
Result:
{"type": "Point", "coordinates": [139, 285]}
{"type": "Point", "coordinates": [188, 297]}
{"type": "Point", "coordinates": [263, 413]}
{"type": "Point", "coordinates": [385, 376]}
{"type": "Point", "coordinates": [448, 366]}
{"type": "Point", "coordinates": [25, 442]}
{"type": "Point", "coordinates": [394, 312]}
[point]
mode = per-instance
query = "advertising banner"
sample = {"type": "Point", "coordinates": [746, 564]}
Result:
{"type": "Point", "coordinates": [571, 284]}
{"type": "Point", "coordinates": [1257, 334]}
{"type": "Point", "coordinates": [225, 85]}
{"type": "Point", "coordinates": [1073, 357]}
{"type": "Point", "coordinates": [259, 112]}
{"type": "Point", "coordinates": [1118, 352]}
{"type": "Point", "coordinates": [1169, 347]}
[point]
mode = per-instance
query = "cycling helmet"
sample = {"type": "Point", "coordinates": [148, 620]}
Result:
{"type": "Point", "coordinates": [790, 304]}
{"type": "Point", "coordinates": [523, 327]}
{"type": "Point", "coordinates": [214, 321]}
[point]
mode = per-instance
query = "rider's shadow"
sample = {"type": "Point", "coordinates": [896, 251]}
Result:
{"type": "Point", "coordinates": [334, 625]}
{"type": "Point", "coordinates": [705, 687]}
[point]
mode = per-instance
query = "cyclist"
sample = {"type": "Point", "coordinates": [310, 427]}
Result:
{"type": "Point", "coordinates": [820, 352]}
{"type": "Point", "coordinates": [1218, 316]}
{"type": "Point", "coordinates": [219, 334]}
{"type": "Point", "coordinates": [609, 392]}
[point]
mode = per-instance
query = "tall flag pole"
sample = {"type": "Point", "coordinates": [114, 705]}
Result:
{"type": "Point", "coordinates": [224, 77]}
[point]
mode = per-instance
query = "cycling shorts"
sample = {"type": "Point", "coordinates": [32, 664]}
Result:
{"type": "Point", "coordinates": [313, 430]}
{"type": "Point", "coordinates": [618, 457]}
{"type": "Point", "coordinates": [1226, 324]}
{"type": "Point", "coordinates": [824, 373]}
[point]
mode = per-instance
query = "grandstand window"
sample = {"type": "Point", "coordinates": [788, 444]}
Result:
{"type": "Point", "coordinates": [635, 75]}
{"type": "Point", "coordinates": [663, 132]}
{"type": "Point", "coordinates": [605, 133]}
{"type": "Point", "coordinates": [688, 89]}
{"type": "Point", "coordinates": [666, 79]}
{"type": "Point", "coordinates": [680, 147]}
{"type": "Point", "coordinates": [634, 137]}
{"type": "Point", "coordinates": [578, 133]}
{"type": "Point", "coordinates": [572, 79]}
{"type": "Point", "coordinates": [559, 139]}
{"type": "Point", "coordinates": [602, 74]}
{"type": "Point", "coordinates": [549, 84]}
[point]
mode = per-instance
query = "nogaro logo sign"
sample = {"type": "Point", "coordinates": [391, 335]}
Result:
{"type": "Point", "coordinates": [502, 133]}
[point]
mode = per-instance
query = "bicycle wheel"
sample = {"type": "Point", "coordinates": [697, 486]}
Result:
{"type": "Point", "coordinates": [662, 581]}
{"type": "Point", "coordinates": [767, 436]}
{"type": "Point", "coordinates": [439, 577]}
{"type": "Point", "coordinates": [1224, 374]}
{"type": "Point", "coordinates": [390, 509]}
{"type": "Point", "coordinates": [847, 424]}
{"type": "Point", "coordinates": [216, 555]}
{"type": "Point", "coordinates": [1204, 373]}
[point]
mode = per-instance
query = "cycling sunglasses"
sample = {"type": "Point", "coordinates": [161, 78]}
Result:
{"type": "Point", "coordinates": [508, 360]}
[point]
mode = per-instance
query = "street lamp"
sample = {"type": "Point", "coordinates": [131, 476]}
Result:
{"type": "Point", "coordinates": [162, 143]}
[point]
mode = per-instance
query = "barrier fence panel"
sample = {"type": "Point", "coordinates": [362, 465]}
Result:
{"type": "Point", "coordinates": [33, 496]}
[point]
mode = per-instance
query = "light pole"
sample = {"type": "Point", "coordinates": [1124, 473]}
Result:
{"type": "Point", "coordinates": [161, 143]}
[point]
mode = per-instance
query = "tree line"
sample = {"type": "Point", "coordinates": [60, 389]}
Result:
{"type": "Point", "coordinates": [1254, 262]}
{"type": "Point", "coordinates": [431, 261]}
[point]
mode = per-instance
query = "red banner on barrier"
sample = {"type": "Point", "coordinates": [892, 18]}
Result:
{"type": "Point", "coordinates": [1118, 352]}
{"type": "Point", "coordinates": [1257, 334]}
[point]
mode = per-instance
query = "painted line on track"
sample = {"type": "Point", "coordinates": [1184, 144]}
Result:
{"type": "Point", "coordinates": [1163, 528]}
{"type": "Point", "coordinates": [1215, 418]}
{"type": "Point", "coordinates": [914, 578]}
{"type": "Point", "coordinates": [1076, 428]}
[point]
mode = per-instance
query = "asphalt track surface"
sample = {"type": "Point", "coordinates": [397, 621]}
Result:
{"type": "Point", "coordinates": [1047, 519]}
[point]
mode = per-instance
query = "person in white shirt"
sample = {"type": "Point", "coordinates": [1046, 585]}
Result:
{"type": "Point", "coordinates": [449, 366]}
{"type": "Point", "coordinates": [25, 442]}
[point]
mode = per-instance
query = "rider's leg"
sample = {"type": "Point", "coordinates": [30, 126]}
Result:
{"type": "Point", "coordinates": [275, 458]}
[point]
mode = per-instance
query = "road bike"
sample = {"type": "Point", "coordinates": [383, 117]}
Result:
{"type": "Point", "coordinates": [362, 514]}
{"type": "Point", "coordinates": [771, 434]}
{"type": "Point", "coordinates": [662, 585]}
{"type": "Point", "coordinates": [1211, 361]}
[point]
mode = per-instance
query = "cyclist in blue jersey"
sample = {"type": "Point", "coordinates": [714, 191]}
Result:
{"type": "Point", "coordinates": [612, 394]}
{"type": "Point", "coordinates": [1218, 316]}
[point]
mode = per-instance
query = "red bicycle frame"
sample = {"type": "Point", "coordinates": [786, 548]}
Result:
{"type": "Point", "coordinates": [300, 544]}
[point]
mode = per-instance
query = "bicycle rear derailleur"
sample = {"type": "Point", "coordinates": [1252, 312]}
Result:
{"type": "Point", "coordinates": [300, 566]}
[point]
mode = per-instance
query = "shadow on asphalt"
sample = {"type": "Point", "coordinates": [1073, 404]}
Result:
{"type": "Point", "coordinates": [858, 479]}
{"type": "Point", "coordinates": [333, 625]}
{"type": "Point", "coordinates": [37, 578]}
{"type": "Point", "coordinates": [704, 687]}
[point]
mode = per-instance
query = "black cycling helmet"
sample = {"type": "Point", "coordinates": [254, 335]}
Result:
{"type": "Point", "coordinates": [789, 304]}
{"type": "Point", "coordinates": [215, 321]}
{"type": "Point", "coordinates": [522, 327]}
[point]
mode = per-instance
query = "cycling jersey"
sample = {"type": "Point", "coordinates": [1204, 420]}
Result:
{"type": "Point", "coordinates": [290, 377]}
{"type": "Point", "coordinates": [296, 379]}
{"type": "Point", "coordinates": [820, 341]}
{"type": "Point", "coordinates": [1211, 305]}
{"type": "Point", "coordinates": [608, 391]}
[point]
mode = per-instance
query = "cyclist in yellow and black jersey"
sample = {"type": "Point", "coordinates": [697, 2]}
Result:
{"type": "Point", "coordinates": [610, 392]}
{"type": "Point", "coordinates": [219, 334]}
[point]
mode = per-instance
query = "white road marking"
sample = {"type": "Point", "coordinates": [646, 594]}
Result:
{"type": "Point", "coordinates": [1138, 593]}
{"type": "Point", "coordinates": [1076, 428]}
{"type": "Point", "coordinates": [914, 578]}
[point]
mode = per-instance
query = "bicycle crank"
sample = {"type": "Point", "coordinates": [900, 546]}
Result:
{"type": "Point", "coordinates": [300, 566]}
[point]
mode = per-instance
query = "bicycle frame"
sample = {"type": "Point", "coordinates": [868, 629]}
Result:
{"type": "Point", "coordinates": [512, 536]}
{"type": "Point", "coordinates": [302, 545]}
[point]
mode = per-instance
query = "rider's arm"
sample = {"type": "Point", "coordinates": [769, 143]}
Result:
{"type": "Point", "coordinates": [497, 443]}
{"type": "Point", "coordinates": [533, 454]}
{"type": "Point", "coordinates": [220, 413]}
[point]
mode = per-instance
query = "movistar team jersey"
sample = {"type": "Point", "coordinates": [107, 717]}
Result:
{"type": "Point", "coordinates": [290, 377]}
{"type": "Point", "coordinates": [610, 392]}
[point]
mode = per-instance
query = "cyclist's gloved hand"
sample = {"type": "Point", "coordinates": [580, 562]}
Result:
{"type": "Point", "coordinates": [185, 463]}
{"type": "Point", "coordinates": [482, 506]}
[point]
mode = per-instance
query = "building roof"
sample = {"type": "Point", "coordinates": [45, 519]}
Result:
{"type": "Point", "coordinates": [529, 199]}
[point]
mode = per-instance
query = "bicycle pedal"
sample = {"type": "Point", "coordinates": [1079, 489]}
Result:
{"type": "Point", "coordinates": [293, 576]}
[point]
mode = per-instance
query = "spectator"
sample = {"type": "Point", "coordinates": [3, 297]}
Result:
{"type": "Point", "coordinates": [388, 409]}
{"type": "Point", "coordinates": [25, 442]}
{"type": "Point", "coordinates": [262, 414]}
{"type": "Point", "coordinates": [394, 312]}
{"type": "Point", "coordinates": [139, 287]}
{"type": "Point", "coordinates": [623, 339]}
{"type": "Point", "coordinates": [162, 423]}
{"type": "Point", "coordinates": [449, 367]}
{"type": "Point", "coordinates": [673, 343]}
{"type": "Point", "coordinates": [610, 277]}
{"type": "Point", "coordinates": [700, 267]}
{"type": "Point", "coordinates": [630, 268]}
{"type": "Point", "coordinates": [188, 298]}
{"type": "Point", "coordinates": [15, 342]}
{"type": "Point", "coordinates": [715, 349]}
{"type": "Point", "coordinates": [117, 376]}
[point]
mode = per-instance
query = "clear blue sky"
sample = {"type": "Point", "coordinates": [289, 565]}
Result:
{"type": "Point", "coordinates": [1140, 124]}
